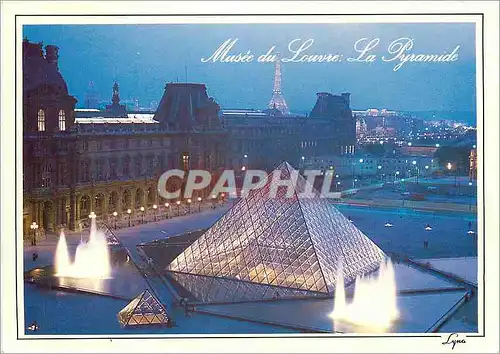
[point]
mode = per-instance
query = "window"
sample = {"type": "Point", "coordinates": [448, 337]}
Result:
{"type": "Point", "coordinates": [113, 167]}
{"type": "Point", "coordinates": [99, 169]}
{"type": "Point", "coordinates": [46, 176]}
{"type": "Point", "coordinates": [149, 165]}
{"type": "Point", "coordinates": [126, 166]}
{"type": "Point", "coordinates": [62, 174]}
{"type": "Point", "coordinates": [138, 166]}
{"type": "Point", "coordinates": [41, 120]}
{"type": "Point", "coordinates": [86, 171]}
{"type": "Point", "coordinates": [62, 120]}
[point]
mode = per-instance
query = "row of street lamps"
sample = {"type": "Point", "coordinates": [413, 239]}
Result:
{"type": "Point", "coordinates": [167, 209]}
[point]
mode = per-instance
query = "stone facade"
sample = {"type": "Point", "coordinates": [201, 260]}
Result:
{"type": "Point", "coordinates": [77, 161]}
{"type": "Point", "coordinates": [81, 161]}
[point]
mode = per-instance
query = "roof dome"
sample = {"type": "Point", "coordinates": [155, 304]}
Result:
{"type": "Point", "coordinates": [42, 71]}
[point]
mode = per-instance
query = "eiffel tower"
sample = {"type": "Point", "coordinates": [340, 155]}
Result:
{"type": "Point", "coordinates": [278, 101]}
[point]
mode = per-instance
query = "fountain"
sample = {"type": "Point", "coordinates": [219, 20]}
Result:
{"type": "Point", "coordinates": [92, 258]}
{"type": "Point", "coordinates": [374, 302]}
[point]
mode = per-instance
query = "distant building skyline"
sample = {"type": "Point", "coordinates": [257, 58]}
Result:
{"type": "Point", "coordinates": [107, 53]}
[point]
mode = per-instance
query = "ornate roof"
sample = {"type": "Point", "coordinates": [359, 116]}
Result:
{"type": "Point", "coordinates": [187, 107]}
{"type": "Point", "coordinates": [42, 72]}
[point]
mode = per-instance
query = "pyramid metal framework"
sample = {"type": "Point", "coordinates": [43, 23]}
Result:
{"type": "Point", "coordinates": [278, 100]}
{"type": "Point", "coordinates": [275, 247]}
{"type": "Point", "coordinates": [145, 309]}
{"type": "Point", "coordinates": [111, 238]}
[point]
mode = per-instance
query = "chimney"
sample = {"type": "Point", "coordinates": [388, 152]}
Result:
{"type": "Point", "coordinates": [31, 49]}
{"type": "Point", "coordinates": [52, 54]}
{"type": "Point", "coordinates": [347, 97]}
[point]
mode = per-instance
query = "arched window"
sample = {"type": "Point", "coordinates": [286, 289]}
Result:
{"type": "Point", "coordinates": [62, 120]}
{"type": "Point", "coordinates": [41, 120]}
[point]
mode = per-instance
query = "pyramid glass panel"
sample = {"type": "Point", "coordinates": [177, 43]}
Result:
{"type": "Point", "coordinates": [281, 246]}
{"type": "Point", "coordinates": [144, 309]}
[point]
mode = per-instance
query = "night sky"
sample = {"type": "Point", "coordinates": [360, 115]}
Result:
{"type": "Point", "coordinates": [143, 58]}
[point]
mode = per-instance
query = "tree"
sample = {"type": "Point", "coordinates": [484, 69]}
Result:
{"type": "Point", "coordinates": [457, 156]}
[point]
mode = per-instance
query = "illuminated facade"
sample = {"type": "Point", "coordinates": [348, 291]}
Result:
{"type": "Point", "coordinates": [277, 247]}
{"type": "Point", "coordinates": [78, 161]}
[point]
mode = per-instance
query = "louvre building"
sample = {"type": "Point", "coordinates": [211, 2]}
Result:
{"type": "Point", "coordinates": [82, 160]}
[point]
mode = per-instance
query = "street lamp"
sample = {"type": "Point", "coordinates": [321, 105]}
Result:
{"type": "Point", "coordinates": [167, 209]}
{"type": "Point", "coordinates": [437, 145]}
{"type": "Point", "coordinates": [403, 188]}
{"type": "Point", "coordinates": [129, 212]}
{"type": "Point", "coordinates": [178, 203]}
{"type": "Point", "coordinates": [154, 210]}
{"type": "Point", "coordinates": [92, 216]}
{"type": "Point", "coordinates": [199, 204]}
{"type": "Point", "coordinates": [115, 214]}
{"type": "Point", "coordinates": [470, 198]}
{"type": "Point", "coordinates": [418, 170]}
{"type": "Point", "coordinates": [142, 209]}
{"type": "Point", "coordinates": [34, 227]}
{"type": "Point", "coordinates": [189, 206]}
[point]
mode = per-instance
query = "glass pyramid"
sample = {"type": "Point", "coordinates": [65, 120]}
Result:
{"type": "Point", "coordinates": [275, 247]}
{"type": "Point", "coordinates": [111, 239]}
{"type": "Point", "coordinates": [145, 309]}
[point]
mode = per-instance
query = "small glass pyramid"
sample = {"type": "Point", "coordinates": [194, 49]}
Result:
{"type": "Point", "coordinates": [145, 309]}
{"type": "Point", "coordinates": [286, 246]}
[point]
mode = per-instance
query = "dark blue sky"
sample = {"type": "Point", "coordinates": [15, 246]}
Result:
{"type": "Point", "coordinates": [142, 58]}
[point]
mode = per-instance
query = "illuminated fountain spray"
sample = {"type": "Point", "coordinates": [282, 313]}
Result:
{"type": "Point", "coordinates": [374, 303]}
{"type": "Point", "coordinates": [91, 258]}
